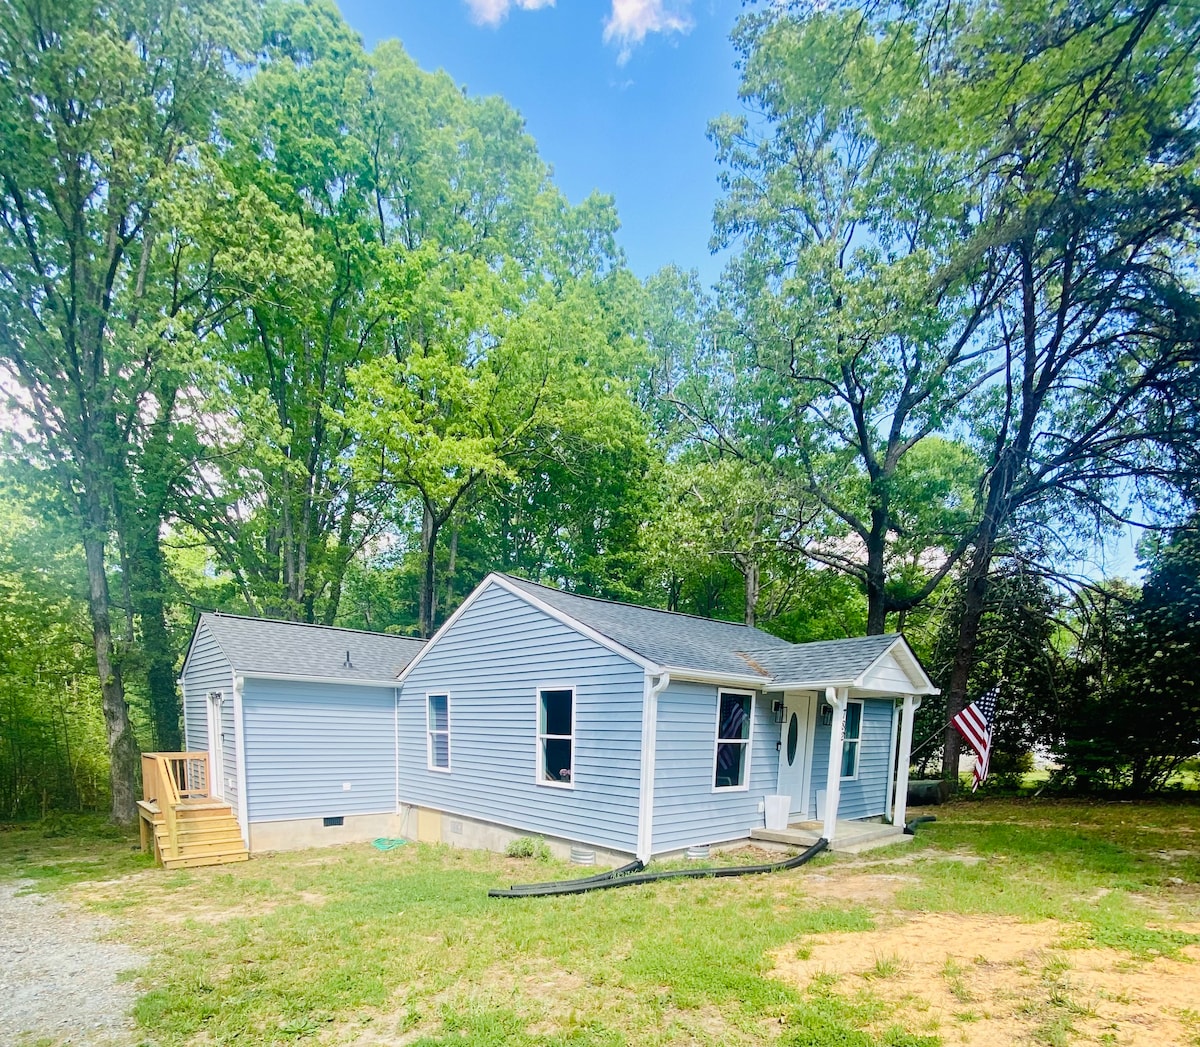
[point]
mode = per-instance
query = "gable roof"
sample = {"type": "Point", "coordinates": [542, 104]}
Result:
{"type": "Point", "coordinates": [265, 646]}
{"type": "Point", "coordinates": [823, 660]}
{"type": "Point", "coordinates": [688, 644]}
{"type": "Point", "coordinates": [666, 638]}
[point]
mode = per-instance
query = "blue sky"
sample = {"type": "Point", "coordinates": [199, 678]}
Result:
{"type": "Point", "coordinates": [617, 94]}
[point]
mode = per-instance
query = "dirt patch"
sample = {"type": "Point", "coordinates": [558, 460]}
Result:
{"type": "Point", "coordinates": [990, 982]}
{"type": "Point", "coordinates": [865, 887]}
{"type": "Point", "coordinates": [58, 981]}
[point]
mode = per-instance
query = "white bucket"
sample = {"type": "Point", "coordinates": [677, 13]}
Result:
{"type": "Point", "coordinates": [776, 811]}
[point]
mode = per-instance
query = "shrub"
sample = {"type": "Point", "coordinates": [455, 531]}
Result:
{"type": "Point", "coordinates": [529, 847]}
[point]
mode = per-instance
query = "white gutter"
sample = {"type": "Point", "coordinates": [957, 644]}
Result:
{"type": "Point", "coordinates": [650, 695]}
{"type": "Point", "coordinates": [305, 678]}
{"type": "Point", "coordinates": [759, 683]}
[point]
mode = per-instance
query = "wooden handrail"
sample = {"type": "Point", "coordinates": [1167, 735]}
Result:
{"type": "Point", "coordinates": [169, 779]}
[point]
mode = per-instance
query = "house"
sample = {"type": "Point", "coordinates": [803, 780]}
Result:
{"type": "Point", "coordinates": [291, 738]}
{"type": "Point", "coordinates": [611, 727]}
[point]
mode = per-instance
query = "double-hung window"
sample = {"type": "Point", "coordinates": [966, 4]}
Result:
{"type": "Point", "coordinates": [732, 765]}
{"type": "Point", "coordinates": [556, 736]}
{"type": "Point", "coordinates": [851, 739]}
{"type": "Point", "coordinates": [437, 730]}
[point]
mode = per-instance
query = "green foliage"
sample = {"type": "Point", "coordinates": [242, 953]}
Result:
{"type": "Point", "coordinates": [52, 746]}
{"type": "Point", "coordinates": [1130, 715]}
{"type": "Point", "coordinates": [529, 847]}
{"type": "Point", "coordinates": [1016, 649]}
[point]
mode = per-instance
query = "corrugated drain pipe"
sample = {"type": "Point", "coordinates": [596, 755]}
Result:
{"type": "Point", "coordinates": [630, 874]}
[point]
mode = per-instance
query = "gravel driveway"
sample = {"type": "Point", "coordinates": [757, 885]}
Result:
{"type": "Point", "coordinates": [57, 980]}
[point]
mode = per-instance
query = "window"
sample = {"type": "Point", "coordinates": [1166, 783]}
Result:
{"type": "Point", "coordinates": [733, 741]}
{"type": "Point", "coordinates": [437, 726]}
{"type": "Point", "coordinates": [851, 737]}
{"type": "Point", "coordinates": [556, 736]}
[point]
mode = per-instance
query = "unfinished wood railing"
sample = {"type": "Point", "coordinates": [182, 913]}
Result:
{"type": "Point", "coordinates": [168, 779]}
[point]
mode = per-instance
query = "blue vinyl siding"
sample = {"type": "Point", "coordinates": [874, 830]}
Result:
{"type": "Point", "coordinates": [686, 810]}
{"type": "Point", "coordinates": [209, 670]}
{"type": "Point", "coordinates": [866, 797]}
{"type": "Point", "coordinates": [491, 662]}
{"type": "Point", "coordinates": [304, 741]}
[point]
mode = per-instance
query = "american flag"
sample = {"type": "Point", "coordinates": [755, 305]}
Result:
{"type": "Point", "coordinates": [975, 724]}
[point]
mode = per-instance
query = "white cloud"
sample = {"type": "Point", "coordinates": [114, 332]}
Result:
{"type": "Point", "coordinates": [493, 12]}
{"type": "Point", "coordinates": [632, 20]}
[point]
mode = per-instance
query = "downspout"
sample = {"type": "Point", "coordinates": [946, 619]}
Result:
{"type": "Point", "coordinates": [396, 742]}
{"type": "Point", "coordinates": [650, 694]}
{"type": "Point", "coordinates": [239, 747]}
{"type": "Point", "coordinates": [182, 685]}
{"type": "Point", "coordinates": [836, 697]}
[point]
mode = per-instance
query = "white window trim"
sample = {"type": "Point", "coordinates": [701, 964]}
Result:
{"type": "Point", "coordinates": [718, 740]}
{"type": "Point", "coordinates": [539, 766]}
{"type": "Point", "coordinates": [862, 712]}
{"type": "Point", "coordinates": [429, 764]}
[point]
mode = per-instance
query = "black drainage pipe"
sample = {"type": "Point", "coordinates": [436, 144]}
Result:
{"type": "Point", "coordinates": [604, 881]}
{"type": "Point", "coordinates": [911, 828]}
{"type": "Point", "coordinates": [624, 870]}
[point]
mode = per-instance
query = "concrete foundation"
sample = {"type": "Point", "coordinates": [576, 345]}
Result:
{"type": "Point", "coordinates": [296, 834]}
{"type": "Point", "coordinates": [432, 826]}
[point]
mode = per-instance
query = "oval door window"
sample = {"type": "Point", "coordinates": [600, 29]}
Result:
{"type": "Point", "coordinates": [793, 738]}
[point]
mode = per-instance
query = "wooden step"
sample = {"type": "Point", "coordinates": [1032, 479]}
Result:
{"type": "Point", "coordinates": [192, 861]}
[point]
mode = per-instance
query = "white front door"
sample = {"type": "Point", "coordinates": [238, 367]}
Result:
{"type": "Point", "coordinates": [216, 748]}
{"type": "Point", "coordinates": [795, 751]}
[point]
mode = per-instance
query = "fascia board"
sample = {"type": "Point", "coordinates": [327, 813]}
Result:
{"type": "Point", "coordinates": [731, 679]}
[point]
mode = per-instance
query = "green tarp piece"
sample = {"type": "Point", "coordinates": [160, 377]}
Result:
{"type": "Point", "coordinates": [388, 843]}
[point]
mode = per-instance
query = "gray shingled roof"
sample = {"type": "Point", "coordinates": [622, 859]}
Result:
{"type": "Point", "coordinates": [663, 637]}
{"type": "Point", "coordinates": [261, 645]}
{"type": "Point", "coordinates": [686, 641]}
{"type": "Point", "coordinates": [822, 660]}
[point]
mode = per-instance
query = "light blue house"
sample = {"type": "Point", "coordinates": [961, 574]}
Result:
{"type": "Point", "coordinates": [623, 729]}
{"type": "Point", "coordinates": [299, 724]}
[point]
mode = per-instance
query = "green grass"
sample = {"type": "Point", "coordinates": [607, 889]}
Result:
{"type": "Point", "coordinates": [349, 943]}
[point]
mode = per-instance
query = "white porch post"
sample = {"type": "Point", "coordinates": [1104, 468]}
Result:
{"type": "Point", "coordinates": [836, 697]}
{"type": "Point", "coordinates": [892, 739]}
{"type": "Point", "coordinates": [912, 703]}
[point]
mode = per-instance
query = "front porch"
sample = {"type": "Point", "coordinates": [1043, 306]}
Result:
{"type": "Point", "coordinates": [180, 820]}
{"type": "Point", "coordinates": [849, 837]}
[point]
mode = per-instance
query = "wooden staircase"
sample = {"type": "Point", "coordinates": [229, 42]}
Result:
{"type": "Point", "coordinates": [180, 821]}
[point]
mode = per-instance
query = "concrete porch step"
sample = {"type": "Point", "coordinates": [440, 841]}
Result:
{"type": "Point", "coordinates": [849, 837]}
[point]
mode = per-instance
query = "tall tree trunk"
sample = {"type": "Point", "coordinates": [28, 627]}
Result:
{"type": "Point", "coordinates": [159, 652]}
{"type": "Point", "coordinates": [430, 526]}
{"type": "Point", "coordinates": [876, 586]}
{"type": "Point", "coordinates": [752, 577]}
{"type": "Point", "coordinates": [450, 566]}
{"type": "Point", "coordinates": [122, 748]}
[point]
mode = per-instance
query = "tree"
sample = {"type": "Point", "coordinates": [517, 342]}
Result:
{"type": "Point", "coordinates": [1079, 143]}
{"type": "Point", "coordinates": [509, 375]}
{"type": "Point", "coordinates": [1131, 713]}
{"type": "Point", "coordinates": [848, 340]}
{"type": "Point", "coordinates": [101, 110]}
